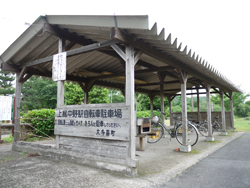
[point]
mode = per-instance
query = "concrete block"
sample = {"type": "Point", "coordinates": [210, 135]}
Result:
{"type": "Point", "coordinates": [185, 149]}
{"type": "Point", "coordinates": [210, 139]}
{"type": "Point", "coordinates": [224, 134]}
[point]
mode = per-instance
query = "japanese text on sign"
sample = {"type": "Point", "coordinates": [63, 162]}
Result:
{"type": "Point", "coordinates": [5, 107]}
{"type": "Point", "coordinates": [103, 113]}
{"type": "Point", "coordinates": [59, 67]}
{"type": "Point", "coordinates": [96, 122]}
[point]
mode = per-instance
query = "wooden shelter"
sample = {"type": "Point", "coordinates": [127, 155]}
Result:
{"type": "Point", "coordinates": [118, 52]}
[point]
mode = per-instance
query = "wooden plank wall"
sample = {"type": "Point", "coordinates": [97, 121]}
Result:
{"type": "Point", "coordinates": [193, 116]}
{"type": "Point", "coordinates": [96, 149]}
{"type": "Point", "coordinates": [83, 138]}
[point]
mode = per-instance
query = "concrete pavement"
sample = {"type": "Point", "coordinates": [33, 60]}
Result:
{"type": "Point", "coordinates": [227, 167]}
{"type": "Point", "coordinates": [158, 164]}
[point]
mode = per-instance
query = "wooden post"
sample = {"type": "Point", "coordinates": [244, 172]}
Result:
{"type": "Point", "coordinates": [223, 117]}
{"type": "Point", "coordinates": [170, 98]}
{"type": "Point", "coordinates": [129, 92]}
{"type": "Point", "coordinates": [86, 97]}
{"type": "Point", "coordinates": [86, 89]}
{"type": "Point", "coordinates": [162, 76]}
{"type": "Point", "coordinates": [184, 107]}
{"type": "Point", "coordinates": [198, 105]}
{"type": "Point", "coordinates": [152, 96]}
{"type": "Point", "coordinates": [17, 109]}
{"type": "Point", "coordinates": [232, 109]}
{"type": "Point", "coordinates": [192, 100]}
{"type": "Point", "coordinates": [209, 121]}
{"type": "Point", "coordinates": [60, 86]}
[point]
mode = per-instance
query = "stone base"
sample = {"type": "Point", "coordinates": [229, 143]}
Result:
{"type": "Point", "coordinates": [51, 152]}
{"type": "Point", "coordinates": [224, 134]}
{"type": "Point", "coordinates": [185, 149]}
{"type": "Point", "coordinates": [210, 139]}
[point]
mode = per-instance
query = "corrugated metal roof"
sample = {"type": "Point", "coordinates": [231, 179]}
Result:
{"type": "Point", "coordinates": [38, 42]}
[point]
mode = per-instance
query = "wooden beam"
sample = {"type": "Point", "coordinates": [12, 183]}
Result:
{"type": "Point", "coordinates": [157, 83]}
{"type": "Point", "coordinates": [27, 76]}
{"type": "Point", "coordinates": [73, 52]}
{"type": "Point", "coordinates": [73, 37]}
{"type": "Point", "coordinates": [138, 55]}
{"type": "Point", "coordinates": [119, 51]}
{"type": "Point", "coordinates": [64, 33]}
{"type": "Point", "coordinates": [22, 73]}
{"type": "Point", "coordinates": [126, 38]}
{"type": "Point", "coordinates": [136, 72]}
{"type": "Point", "coordinates": [7, 67]}
{"type": "Point", "coordinates": [203, 93]}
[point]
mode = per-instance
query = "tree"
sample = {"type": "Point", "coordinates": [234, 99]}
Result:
{"type": "Point", "coordinates": [240, 109]}
{"type": "Point", "coordinates": [117, 96]}
{"type": "Point", "coordinates": [73, 94]}
{"type": "Point", "coordinates": [39, 93]}
{"type": "Point", "coordinates": [98, 95]}
{"type": "Point", "coordinates": [6, 80]}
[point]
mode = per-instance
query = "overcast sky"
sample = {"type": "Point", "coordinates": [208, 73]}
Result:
{"type": "Point", "coordinates": [216, 30]}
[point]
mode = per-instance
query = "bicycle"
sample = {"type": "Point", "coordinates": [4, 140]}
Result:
{"type": "Point", "coordinates": [158, 127]}
{"type": "Point", "coordinates": [217, 125]}
{"type": "Point", "coordinates": [201, 127]}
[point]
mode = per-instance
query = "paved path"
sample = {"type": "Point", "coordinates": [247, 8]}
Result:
{"type": "Point", "coordinates": [158, 164]}
{"type": "Point", "coordinates": [227, 167]}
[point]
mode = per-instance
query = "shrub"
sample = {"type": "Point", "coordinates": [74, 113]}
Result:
{"type": "Point", "coordinates": [147, 113]}
{"type": "Point", "coordinates": [42, 120]}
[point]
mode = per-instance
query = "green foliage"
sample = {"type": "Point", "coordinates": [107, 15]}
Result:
{"type": "Point", "coordinates": [73, 94]}
{"type": "Point", "coordinates": [6, 80]}
{"type": "Point", "coordinates": [240, 107]}
{"type": "Point", "coordinates": [43, 120]}
{"type": "Point", "coordinates": [9, 139]}
{"type": "Point", "coordinates": [38, 93]}
{"type": "Point", "coordinates": [98, 95]}
{"type": "Point", "coordinates": [147, 113]}
{"type": "Point", "coordinates": [116, 96]}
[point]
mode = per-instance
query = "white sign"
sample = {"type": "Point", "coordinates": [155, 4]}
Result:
{"type": "Point", "coordinates": [94, 121]}
{"type": "Point", "coordinates": [5, 107]}
{"type": "Point", "coordinates": [59, 67]}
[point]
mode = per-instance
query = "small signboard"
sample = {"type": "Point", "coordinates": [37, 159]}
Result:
{"type": "Point", "coordinates": [59, 66]}
{"type": "Point", "coordinates": [5, 107]}
{"type": "Point", "coordinates": [105, 122]}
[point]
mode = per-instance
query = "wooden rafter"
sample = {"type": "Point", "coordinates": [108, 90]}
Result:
{"type": "Point", "coordinates": [73, 52]}
{"type": "Point", "coordinates": [126, 38]}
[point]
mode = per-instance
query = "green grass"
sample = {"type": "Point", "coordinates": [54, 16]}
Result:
{"type": "Point", "coordinates": [9, 139]}
{"type": "Point", "coordinates": [242, 125]}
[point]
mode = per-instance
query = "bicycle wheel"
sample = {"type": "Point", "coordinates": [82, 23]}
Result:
{"type": "Point", "coordinates": [192, 135]}
{"type": "Point", "coordinates": [157, 132]}
{"type": "Point", "coordinates": [203, 129]}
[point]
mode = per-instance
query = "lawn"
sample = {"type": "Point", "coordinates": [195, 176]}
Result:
{"type": "Point", "coordinates": [242, 125]}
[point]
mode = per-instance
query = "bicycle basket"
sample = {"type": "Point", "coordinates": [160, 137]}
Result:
{"type": "Point", "coordinates": [155, 119]}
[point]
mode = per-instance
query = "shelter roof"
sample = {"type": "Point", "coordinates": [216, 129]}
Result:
{"type": "Point", "coordinates": [95, 48]}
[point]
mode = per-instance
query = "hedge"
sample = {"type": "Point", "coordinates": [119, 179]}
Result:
{"type": "Point", "coordinates": [42, 120]}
